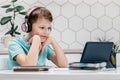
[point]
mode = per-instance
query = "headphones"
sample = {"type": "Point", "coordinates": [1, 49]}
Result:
{"type": "Point", "coordinates": [27, 26]}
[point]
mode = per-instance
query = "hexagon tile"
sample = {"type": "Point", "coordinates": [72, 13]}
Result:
{"type": "Point", "coordinates": [112, 10]}
{"type": "Point", "coordinates": [97, 10]}
{"type": "Point", "coordinates": [60, 23]}
{"type": "Point", "coordinates": [68, 10]}
{"type": "Point", "coordinates": [116, 23]}
{"type": "Point", "coordinates": [55, 11]}
{"type": "Point", "coordinates": [97, 34]}
{"type": "Point", "coordinates": [68, 36]}
{"type": "Point", "coordinates": [90, 23]}
{"type": "Point", "coordinates": [83, 36]}
{"type": "Point", "coordinates": [83, 10]}
{"type": "Point", "coordinates": [75, 21]}
{"type": "Point", "coordinates": [105, 23]}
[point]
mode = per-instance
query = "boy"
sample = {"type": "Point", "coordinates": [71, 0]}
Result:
{"type": "Point", "coordinates": [32, 49]}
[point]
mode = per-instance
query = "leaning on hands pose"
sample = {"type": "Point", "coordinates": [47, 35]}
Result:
{"type": "Point", "coordinates": [33, 48]}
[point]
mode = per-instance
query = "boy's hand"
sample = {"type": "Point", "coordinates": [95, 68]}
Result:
{"type": "Point", "coordinates": [48, 41]}
{"type": "Point", "coordinates": [36, 39]}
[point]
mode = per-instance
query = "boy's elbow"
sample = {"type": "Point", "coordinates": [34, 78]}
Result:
{"type": "Point", "coordinates": [64, 65]}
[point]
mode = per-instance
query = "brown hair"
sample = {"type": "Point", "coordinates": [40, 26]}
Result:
{"type": "Point", "coordinates": [39, 12]}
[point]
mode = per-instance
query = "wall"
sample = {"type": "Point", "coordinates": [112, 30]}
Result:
{"type": "Point", "coordinates": [70, 57]}
{"type": "Point", "coordinates": [76, 21]}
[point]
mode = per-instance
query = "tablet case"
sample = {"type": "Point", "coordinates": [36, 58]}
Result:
{"type": "Point", "coordinates": [112, 59]}
{"type": "Point", "coordinates": [88, 66]}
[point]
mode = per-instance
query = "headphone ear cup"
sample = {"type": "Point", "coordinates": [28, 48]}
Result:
{"type": "Point", "coordinates": [29, 27]}
{"type": "Point", "coordinates": [26, 26]}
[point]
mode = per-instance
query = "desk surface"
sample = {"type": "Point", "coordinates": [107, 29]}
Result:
{"type": "Point", "coordinates": [62, 74]}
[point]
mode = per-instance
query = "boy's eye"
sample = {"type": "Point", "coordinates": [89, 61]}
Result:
{"type": "Point", "coordinates": [42, 27]}
{"type": "Point", "coordinates": [50, 28]}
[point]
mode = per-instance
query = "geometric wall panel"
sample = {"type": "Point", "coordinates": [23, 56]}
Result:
{"type": "Point", "coordinates": [75, 21]}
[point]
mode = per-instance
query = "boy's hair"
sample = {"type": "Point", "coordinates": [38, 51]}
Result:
{"type": "Point", "coordinates": [39, 12]}
{"type": "Point", "coordinates": [34, 15]}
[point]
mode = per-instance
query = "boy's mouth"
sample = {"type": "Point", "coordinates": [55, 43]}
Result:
{"type": "Point", "coordinates": [43, 36]}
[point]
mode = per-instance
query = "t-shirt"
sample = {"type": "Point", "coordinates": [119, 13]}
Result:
{"type": "Point", "coordinates": [20, 45]}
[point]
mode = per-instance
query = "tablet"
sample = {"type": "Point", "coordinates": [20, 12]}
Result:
{"type": "Point", "coordinates": [96, 52]}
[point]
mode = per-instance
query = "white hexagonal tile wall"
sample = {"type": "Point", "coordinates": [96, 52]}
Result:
{"type": "Point", "coordinates": [60, 23]}
{"type": "Point", "coordinates": [3, 10]}
{"type": "Point", "coordinates": [55, 9]}
{"type": "Point", "coordinates": [97, 34]}
{"type": "Point", "coordinates": [116, 23]}
{"type": "Point", "coordinates": [75, 1]}
{"type": "Point", "coordinates": [18, 22]}
{"type": "Point", "coordinates": [105, 23]}
{"type": "Point", "coordinates": [105, 2]}
{"type": "Point", "coordinates": [112, 10]}
{"type": "Point", "coordinates": [75, 45]}
{"type": "Point", "coordinates": [45, 2]}
{"type": "Point", "coordinates": [117, 2]}
{"type": "Point", "coordinates": [83, 36]}
{"type": "Point", "coordinates": [37, 4]}
{"type": "Point", "coordinates": [83, 10]}
{"type": "Point", "coordinates": [113, 35]}
{"type": "Point", "coordinates": [3, 27]}
{"type": "Point", "coordinates": [63, 45]}
{"type": "Point", "coordinates": [26, 6]}
{"type": "Point", "coordinates": [68, 10]}
{"type": "Point", "coordinates": [85, 20]}
{"type": "Point", "coordinates": [75, 23]}
{"type": "Point", "coordinates": [97, 10]}
{"type": "Point", "coordinates": [90, 2]}
{"type": "Point", "coordinates": [2, 32]}
{"type": "Point", "coordinates": [3, 1]}
{"type": "Point", "coordinates": [56, 34]}
{"type": "Point", "coordinates": [18, 1]}
{"type": "Point", "coordinates": [68, 36]}
{"type": "Point", "coordinates": [8, 26]}
{"type": "Point", "coordinates": [29, 2]}
{"type": "Point", "coordinates": [90, 23]}
{"type": "Point", "coordinates": [60, 2]}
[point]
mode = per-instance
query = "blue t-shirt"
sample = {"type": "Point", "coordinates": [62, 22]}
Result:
{"type": "Point", "coordinates": [20, 45]}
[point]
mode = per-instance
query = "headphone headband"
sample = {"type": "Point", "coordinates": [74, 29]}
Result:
{"type": "Point", "coordinates": [28, 17]}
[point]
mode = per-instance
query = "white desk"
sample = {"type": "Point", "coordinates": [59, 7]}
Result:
{"type": "Point", "coordinates": [61, 74]}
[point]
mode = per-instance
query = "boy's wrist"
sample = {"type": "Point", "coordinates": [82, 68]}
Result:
{"type": "Point", "coordinates": [53, 41]}
{"type": "Point", "coordinates": [36, 41]}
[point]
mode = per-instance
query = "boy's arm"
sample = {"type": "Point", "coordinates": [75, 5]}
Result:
{"type": "Point", "coordinates": [59, 57]}
{"type": "Point", "coordinates": [31, 58]}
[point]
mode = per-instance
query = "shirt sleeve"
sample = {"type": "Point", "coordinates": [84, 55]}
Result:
{"type": "Point", "coordinates": [14, 49]}
{"type": "Point", "coordinates": [50, 51]}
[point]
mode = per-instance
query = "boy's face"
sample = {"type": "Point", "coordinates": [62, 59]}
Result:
{"type": "Point", "coordinates": [41, 27]}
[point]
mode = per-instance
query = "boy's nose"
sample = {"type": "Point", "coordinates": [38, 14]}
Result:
{"type": "Point", "coordinates": [46, 31]}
